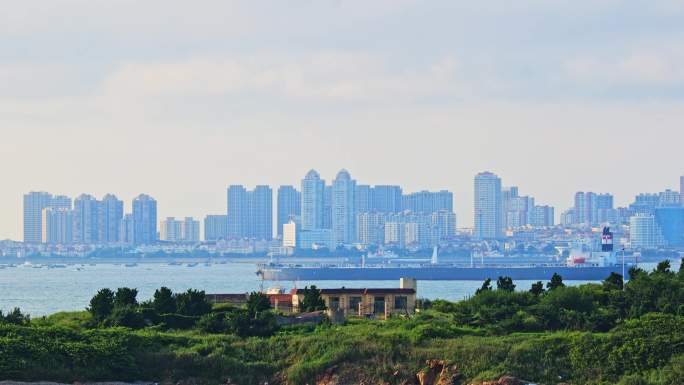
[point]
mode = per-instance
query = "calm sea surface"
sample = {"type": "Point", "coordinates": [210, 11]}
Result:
{"type": "Point", "coordinates": [42, 291]}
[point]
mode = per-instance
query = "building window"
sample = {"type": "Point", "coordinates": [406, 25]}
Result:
{"type": "Point", "coordinates": [335, 303]}
{"type": "Point", "coordinates": [400, 303]}
{"type": "Point", "coordinates": [354, 303]}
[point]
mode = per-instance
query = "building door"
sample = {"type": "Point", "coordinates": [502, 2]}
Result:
{"type": "Point", "coordinates": [379, 305]}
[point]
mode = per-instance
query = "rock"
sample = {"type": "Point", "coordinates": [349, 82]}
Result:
{"type": "Point", "coordinates": [439, 372]}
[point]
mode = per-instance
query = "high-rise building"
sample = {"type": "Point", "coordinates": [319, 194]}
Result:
{"type": "Point", "coordinates": [86, 219]}
{"type": "Point", "coordinates": [250, 213]}
{"type": "Point", "coordinates": [289, 206]}
{"type": "Point", "coordinates": [588, 205]}
{"type": "Point", "coordinates": [344, 208]}
{"type": "Point", "coordinates": [327, 207]}
{"type": "Point", "coordinates": [190, 230]}
{"type": "Point", "coordinates": [386, 199]}
{"type": "Point", "coordinates": [57, 226]}
{"type": "Point", "coordinates": [364, 198]}
{"type": "Point", "coordinates": [681, 190]}
{"type": "Point", "coordinates": [668, 198]}
{"type": "Point", "coordinates": [427, 202]}
{"type": "Point", "coordinates": [520, 211]}
{"type": "Point", "coordinates": [567, 217]}
{"type": "Point", "coordinates": [34, 203]}
{"type": "Point", "coordinates": [170, 230]}
{"type": "Point", "coordinates": [371, 228]}
{"type": "Point", "coordinates": [187, 230]}
{"type": "Point", "coordinates": [543, 216]}
{"type": "Point", "coordinates": [643, 232]}
{"type": "Point", "coordinates": [670, 221]}
{"type": "Point", "coordinates": [215, 227]}
{"type": "Point", "coordinates": [645, 204]}
{"type": "Point", "coordinates": [238, 203]}
{"type": "Point", "coordinates": [144, 219]}
{"type": "Point", "coordinates": [488, 210]}
{"type": "Point", "coordinates": [261, 213]}
{"type": "Point", "coordinates": [313, 191]}
{"type": "Point", "coordinates": [445, 224]}
{"type": "Point", "coordinates": [127, 231]}
{"type": "Point", "coordinates": [110, 216]}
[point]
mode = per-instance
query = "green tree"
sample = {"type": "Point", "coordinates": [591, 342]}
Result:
{"type": "Point", "coordinates": [664, 267]}
{"type": "Point", "coordinates": [243, 325]}
{"type": "Point", "coordinates": [312, 300]}
{"type": "Point", "coordinates": [193, 303]}
{"type": "Point", "coordinates": [537, 288]}
{"type": "Point", "coordinates": [15, 317]}
{"type": "Point", "coordinates": [505, 284]}
{"type": "Point", "coordinates": [257, 303]}
{"type": "Point", "coordinates": [101, 305]}
{"type": "Point", "coordinates": [613, 282]}
{"type": "Point", "coordinates": [126, 316]}
{"type": "Point", "coordinates": [125, 296]}
{"type": "Point", "coordinates": [486, 286]}
{"type": "Point", "coordinates": [555, 283]}
{"type": "Point", "coordinates": [163, 301]}
{"type": "Point", "coordinates": [213, 323]}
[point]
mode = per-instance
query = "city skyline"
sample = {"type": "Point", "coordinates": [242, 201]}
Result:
{"type": "Point", "coordinates": [95, 220]}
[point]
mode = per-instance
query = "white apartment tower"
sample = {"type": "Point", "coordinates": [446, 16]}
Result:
{"type": "Point", "coordinates": [488, 206]}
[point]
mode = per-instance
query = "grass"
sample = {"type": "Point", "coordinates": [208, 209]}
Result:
{"type": "Point", "coordinates": [61, 348]}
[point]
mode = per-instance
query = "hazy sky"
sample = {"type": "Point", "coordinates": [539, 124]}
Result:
{"type": "Point", "coordinates": [179, 99]}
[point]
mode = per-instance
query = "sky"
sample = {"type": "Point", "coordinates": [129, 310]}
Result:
{"type": "Point", "coordinates": [180, 99]}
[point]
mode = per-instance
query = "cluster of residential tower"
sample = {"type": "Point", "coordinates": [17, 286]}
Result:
{"type": "Point", "coordinates": [345, 213]}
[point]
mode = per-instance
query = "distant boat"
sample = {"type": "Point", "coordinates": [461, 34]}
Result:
{"type": "Point", "coordinates": [131, 265]}
{"type": "Point", "coordinates": [191, 264]}
{"type": "Point", "coordinates": [56, 266]}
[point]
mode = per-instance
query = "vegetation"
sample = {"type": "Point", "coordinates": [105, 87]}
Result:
{"type": "Point", "coordinates": [589, 334]}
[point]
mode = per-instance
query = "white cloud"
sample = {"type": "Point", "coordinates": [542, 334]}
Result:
{"type": "Point", "coordinates": [321, 77]}
{"type": "Point", "coordinates": [637, 68]}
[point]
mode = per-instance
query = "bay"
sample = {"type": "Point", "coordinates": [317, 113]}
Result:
{"type": "Point", "coordinates": [43, 291]}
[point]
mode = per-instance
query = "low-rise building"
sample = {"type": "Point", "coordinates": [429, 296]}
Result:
{"type": "Point", "coordinates": [367, 302]}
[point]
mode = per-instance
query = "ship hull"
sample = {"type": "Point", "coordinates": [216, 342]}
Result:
{"type": "Point", "coordinates": [594, 273]}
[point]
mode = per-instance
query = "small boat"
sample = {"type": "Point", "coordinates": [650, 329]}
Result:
{"type": "Point", "coordinates": [131, 265]}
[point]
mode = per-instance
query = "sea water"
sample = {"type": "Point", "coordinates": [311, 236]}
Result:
{"type": "Point", "coordinates": [42, 290]}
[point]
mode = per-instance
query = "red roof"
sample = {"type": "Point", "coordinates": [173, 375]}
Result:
{"type": "Point", "coordinates": [280, 298]}
{"type": "Point", "coordinates": [363, 291]}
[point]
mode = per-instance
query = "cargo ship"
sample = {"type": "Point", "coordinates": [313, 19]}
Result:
{"type": "Point", "coordinates": [591, 266]}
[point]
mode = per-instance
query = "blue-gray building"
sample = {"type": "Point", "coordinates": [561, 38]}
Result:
{"type": "Point", "coordinates": [670, 221]}
{"type": "Point", "coordinates": [86, 219]}
{"type": "Point", "coordinates": [313, 197]}
{"type": "Point", "coordinates": [344, 209]}
{"type": "Point", "coordinates": [110, 217]}
{"type": "Point", "coordinates": [215, 227]}
{"type": "Point", "coordinates": [144, 220]}
{"type": "Point", "coordinates": [387, 199]}
{"type": "Point", "coordinates": [250, 213]}
{"type": "Point", "coordinates": [364, 198]}
{"type": "Point", "coordinates": [428, 202]}
{"type": "Point", "coordinates": [289, 206]}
